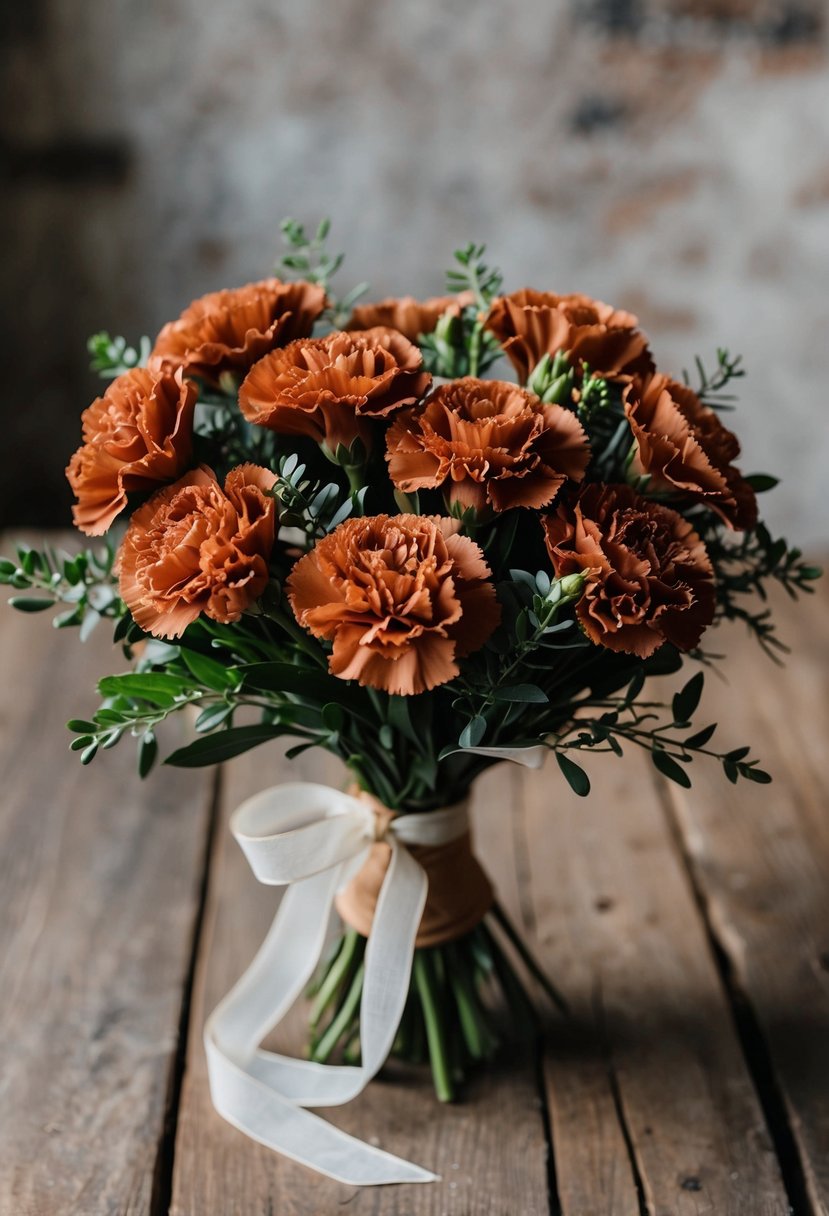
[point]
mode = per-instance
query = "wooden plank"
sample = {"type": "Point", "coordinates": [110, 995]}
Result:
{"type": "Point", "coordinates": [490, 1150]}
{"type": "Point", "coordinates": [99, 886]}
{"type": "Point", "coordinates": [648, 1085]}
{"type": "Point", "coordinates": [759, 856]}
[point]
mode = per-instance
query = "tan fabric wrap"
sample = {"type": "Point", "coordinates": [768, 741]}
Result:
{"type": "Point", "coordinates": [460, 894]}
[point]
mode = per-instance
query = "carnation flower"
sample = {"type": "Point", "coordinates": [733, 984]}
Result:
{"type": "Point", "coordinates": [195, 547]}
{"type": "Point", "coordinates": [138, 434]}
{"type": "Point", "coordinates": [230, 330]}
{"type": "Point", "coordinates": [530, 324]}
{"type": "Point", "coordinates": [490, 442]}
{"type": "Point", "coordinates": [650, 578]}
{"type": "Point", "coordinates": [330, 388]}
{"type": "Point", "coordinates": [407, 315]}
{"type": "Point", "coordinates": [401, 598]}
{"type": "Point", "coordinates": [683, 444]}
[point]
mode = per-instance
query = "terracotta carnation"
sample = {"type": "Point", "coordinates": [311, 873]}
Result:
{"type": "Point", "coordinates": [651, 580]}
{"type": "Point", "coordinates": [683, 445]}
{"type": "Point", "coordinates": [195, 547]}
{"type": "Point", "coordinates": [139, 434]}
{"type": "Point", "coordinates": [230, 330]}
{"type": "Point", "coordinates": [401, 598]}
{"type": "Point", "coordinates": [530, 324]}
{"type": "Point", "coordinates": [407, 315]}
{"type": "Point", "coordinates": [330, 388]}
{"type": "Point", "coordinates": [488, 442]}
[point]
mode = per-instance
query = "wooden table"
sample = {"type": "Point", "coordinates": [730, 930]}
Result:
{"type": "Point", "coordinates": [689, 932]}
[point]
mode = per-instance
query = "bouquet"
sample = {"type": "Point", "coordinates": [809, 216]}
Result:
{"type": "Point", "coordinates": [428, 536]}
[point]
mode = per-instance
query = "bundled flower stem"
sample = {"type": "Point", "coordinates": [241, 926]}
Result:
{"type": "Point", "coordinates": [426, 536]}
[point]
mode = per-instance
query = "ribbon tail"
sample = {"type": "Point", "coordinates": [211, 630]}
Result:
{"type": "Point", "coordinates": [262, 1093]}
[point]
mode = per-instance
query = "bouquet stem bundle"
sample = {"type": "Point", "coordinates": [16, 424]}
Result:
{"type": "Point", "coordinates": [466, 1000]}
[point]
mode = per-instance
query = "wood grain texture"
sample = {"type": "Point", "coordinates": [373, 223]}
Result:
{"type": "Point", "coordinates": [652, 1041]}
{"type": "Point", "coordinates": [99, 880]}
{"type": "Point", "coordinates": [760, 859]}
{"type": "Point", "coordinates": [490, 1150]}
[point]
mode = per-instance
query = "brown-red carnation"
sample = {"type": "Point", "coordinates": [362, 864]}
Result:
{"type": "Point", "coordinates": [683, 445]}
{"type": "Point", "coordinates": [138, 435]}
{"type": "Point", "coordinates": [401, 598]}
{"type": "Point", "coordinates": [229, 330]}
{"type": "Point", "coordinates": [530, 324]}
{"type": "Point", "coordinates": [331, 388]}
{"type": "Point", "coordinates": [649, 577]}
{"type": "Point", "coordinates": [196, 547]}
{"type": "Point", "coordinates": [487, 442]}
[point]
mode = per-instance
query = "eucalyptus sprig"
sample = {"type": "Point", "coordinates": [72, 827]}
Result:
{"type": "Point", "coordinates": [626, 719]}
{"type": "Point", "coordinates": [709, 387]}
{"type": "Point", "coordinates": [86, 582]}
{"type": "Point", "coordinates": [745, 567]}
{"type": "Point", "coordinates": [310, 259]}
{"type": "Point", "coordinates": [112, 356]}
{"type": "Point", "coordinates": [313, 507]}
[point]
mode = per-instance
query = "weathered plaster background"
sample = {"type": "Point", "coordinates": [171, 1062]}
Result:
{"type": "Point", "coordinates": [666, 155]}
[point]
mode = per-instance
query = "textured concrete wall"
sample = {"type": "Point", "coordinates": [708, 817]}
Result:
{"type": "Point", "coordinates": [670, 156]}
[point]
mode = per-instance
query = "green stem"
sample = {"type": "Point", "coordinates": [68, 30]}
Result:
{"type": "Point", "coordinates": [342, 1021]}
{"type": "Point", "coordinates": [427, 987]}
{"type": "Point", "coordinates": [336, 976]}
{"type": "Point", "coordinates": [354, 473]}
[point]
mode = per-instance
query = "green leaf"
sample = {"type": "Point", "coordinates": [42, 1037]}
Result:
{"type": "Point", "coordinates": [333, 718]}
{"type": "Point", "coordinates": [701, 737]}
{"type": "Point", "coordinates": [213, 749]}
{"type": "Point", "coordinates": [209, 672]}
{"type": "Point", "coordinates": [473, 732]}
{"type": "Point", "coordinates": [528, 693]}
{"type": "Point", "coordinates": [147, 752]}
{"type": "Point", "coordinates": [158, 687]}
{"type": "Point", "coordinates": [669, 768]}
{"type": "Point", "coordinates": [24, 604]}
{"type": "Point", "coordinates": [308, 683]}
{"type": "Point", "coordinates": [739, 753]}
{"type": "Point", "coordinates": [686, 701]}
{"type": "Point", "coordinates": [756, 774]}
{"type": "Point", "coordinates": [88, 754]}
{"type": "Point", "coordinates": [731, 771]}
{"type": "Point", "coordinates": [760, 482]}
{"type": "Point", "coordinates": [386, 737]}
{"type": "Point", "coordinates": [81, 726]}
{"type": "Point", "coordinates": [213, 716]}
{"type": "Point", "coordinates": [400, 719]}
{"type": "Point", "coordinates": [574, 775]}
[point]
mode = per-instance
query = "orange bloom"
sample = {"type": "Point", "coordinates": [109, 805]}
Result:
{"type": "Point", "coordinates": [530, 324]}
{"type": "Point", "coordinates": [401, 598]}
{"type": "Point", "coordinates": [138, 434]}
{"type": "Point", "coordinates": [490, 442]}
{"type": "Point", "coordinates": [330, 388]}
{"type": "Point", "coordinates": [410, 317]}
{"type": "Point", "coordinates": [650, 577]}
{"type": "Point", "coordinates": [683, 444]}
{"type": "Point", "coordinates": [195, 547]}
{"type": "Point", "coordinates": [230, 330]}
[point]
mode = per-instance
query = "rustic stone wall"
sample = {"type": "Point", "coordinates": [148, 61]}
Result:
{"type": "Point", "coordinates": [671, 156]}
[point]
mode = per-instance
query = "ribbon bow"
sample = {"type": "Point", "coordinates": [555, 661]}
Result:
{"type": "Point", "coordinates": [309, 838]}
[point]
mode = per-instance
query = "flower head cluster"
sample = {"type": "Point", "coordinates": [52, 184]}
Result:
{"type": "Point", "coordinates": [526, 536]}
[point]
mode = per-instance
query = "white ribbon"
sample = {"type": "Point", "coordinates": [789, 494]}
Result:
{"type": "Point", "coordinates": [311, 837]}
